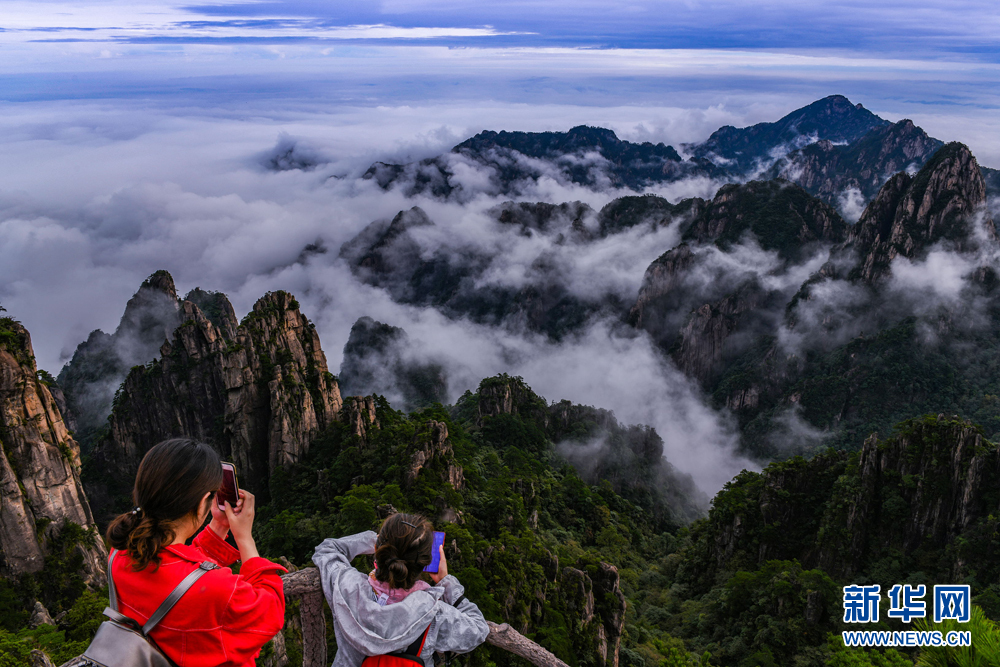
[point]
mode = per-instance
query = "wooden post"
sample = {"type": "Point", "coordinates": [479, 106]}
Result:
{"type": "Point", "coordinates": [304, 584]}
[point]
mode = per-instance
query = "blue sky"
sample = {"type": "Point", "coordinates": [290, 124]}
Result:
{"type": "Point", "coordinates": [894, 55]}
{"type": "Point", "coordinates": [962, 27]}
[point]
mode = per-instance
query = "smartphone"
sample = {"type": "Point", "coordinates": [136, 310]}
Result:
{"type": "Point", "coordinates": [229, 490]}
{"type": "Point", "coordinates": [435, 563]}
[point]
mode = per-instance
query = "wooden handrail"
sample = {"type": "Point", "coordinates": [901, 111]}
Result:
{"type": "Point", "coordinates": [304, 585]}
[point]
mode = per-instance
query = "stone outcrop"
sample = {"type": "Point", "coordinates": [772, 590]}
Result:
{"type": "Point", "coordinates": [780, 215]}
{"type": "Point", "coordinates": [40, 488]}
{"type": "Point", "coordinates": [827, 169]}
{"type": "Point", "coordinates": [912, 213]}
{"type": "Point", "coordinates": [455, 277]}
{"type": "Point", "coordinates": [629, 457]}
{"type": "Point", "coordinates": [378, 359]}
{"type": "Point", "coordinates": [40, 616]}
{"type": "Point", "coordinates": [87, 384]}
{"type": "Point", "coordinates": [358, 413]}
{"type": "Point", "coordinates": [504, 395]}
{"type": "Point", "coordinates": [922, 490]}
{"type": "Point", "coordinates": [832, 118]}
{"type": "Point", "coordinates": [659, 296]}
{"type": "Point", "coordinates": [259, 396]}
{"type": "Point", "coordinates": [627, 212]}
{"type": "Point", "coordinates": [596, 606]}
{"type": "Point", "coordinates": [925, 497]}
{"type": "Point", "coordinates": [434, 450]}
{"type": "Point", "coordinates": [101, 362]}
{"type": "Point", "coordinates": [702, 310]}
{"type": "Point", "coordinates": [706, 338]}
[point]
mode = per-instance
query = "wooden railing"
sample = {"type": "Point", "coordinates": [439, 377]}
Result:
{"type": "Point", "coordinates": [303, 585]}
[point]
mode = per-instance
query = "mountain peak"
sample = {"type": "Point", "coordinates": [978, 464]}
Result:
{"type": "Point", "coordinates": [833, 118]}
{"type": "Point", "coordinates": [160, 281]}
{"type": "Point", "coordinates": [600, 135]}
{"type": "Point", "coordinates": [910, 214]}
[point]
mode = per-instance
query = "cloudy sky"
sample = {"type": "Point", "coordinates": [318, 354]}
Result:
{"type": "Point", "coordinates": [131, 137]}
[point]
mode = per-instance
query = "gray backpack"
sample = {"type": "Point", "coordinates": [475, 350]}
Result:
{"type": "Point", "coordinates": [121, 641]}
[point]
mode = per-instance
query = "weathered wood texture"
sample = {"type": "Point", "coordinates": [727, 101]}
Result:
{"type": "Point", "coordinates": [505, 637]}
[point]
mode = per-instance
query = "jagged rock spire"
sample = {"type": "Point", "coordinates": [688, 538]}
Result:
{"type": "Point", "coordinates": [912, 213]}
{"type": "Point", "coordinates": [259, 395]}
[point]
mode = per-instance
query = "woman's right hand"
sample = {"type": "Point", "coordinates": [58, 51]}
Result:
{"type": "Point", "coordinates": [241, 524]}
{"type": "Point", "coordinates": [442, 572]}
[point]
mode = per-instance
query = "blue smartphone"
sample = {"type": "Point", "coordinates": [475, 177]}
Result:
{"type": "Point", "coordinates": [435, 563]}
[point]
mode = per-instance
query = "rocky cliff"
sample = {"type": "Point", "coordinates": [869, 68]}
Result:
{"type": "Point", "coordinates": [40, 490]}
{"type": "Point", "coordinates": [832, 118]}
{"type": "Point", "coordinates": [629, 458]}
{"type": "Point", "coordinates": [379, 359]}
{"type": "Point", "coordinates": [828, 170]}
{"type": "Point", "coordinates": [259, 395]}
{"type": "Point", "coordinates": [101, 362]}
{"type": "Point", "coordinates": [912, 213]}
{"type": "Point", "coordinates": [455, 278]}
{"type": "Point", "coordinates": [798, 361]}
{"type": "Point", "coordinates": [922, 500]}
{"type": "Point", "coordinates": [701, 308]}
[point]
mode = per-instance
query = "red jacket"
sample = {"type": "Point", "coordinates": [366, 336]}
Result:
{"type": "Point", "coordinates": [223, 620]}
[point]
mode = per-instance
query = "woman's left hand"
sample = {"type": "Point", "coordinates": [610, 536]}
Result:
{"type": "Point", "coordinates": [220, 522]}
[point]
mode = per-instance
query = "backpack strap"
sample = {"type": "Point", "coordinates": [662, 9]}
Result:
{"type": "Point", "coordinates": [122, 619]}
{"type": "Point", "coordinates": [112, 593]}
{"type": "Point", "coordinates": [417, 646]}
{"type": "Point", "coordinates": [161, 611]}
{"type": "Point", "coordinates": [176, 594]}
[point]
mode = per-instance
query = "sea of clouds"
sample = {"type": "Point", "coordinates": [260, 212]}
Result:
{"type": "Point", "coordinates": [95, 196]}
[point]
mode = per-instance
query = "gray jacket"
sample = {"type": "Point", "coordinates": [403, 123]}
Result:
{"type": "Point", "coordinates": [364, 628]}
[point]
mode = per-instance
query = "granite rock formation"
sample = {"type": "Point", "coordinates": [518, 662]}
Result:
{"type": "Point", "coordinates": [924, 498]}
{"type": "Point", "coordinates": [692, 301]}
{"type": "Point", "coordinates": [89, 380]}
{"type": "Point", "coordinates": [828, 170]}
{"type": "Point", "coordinates": [40, 488]}
{"type": "Point", "coordinates": [912, 213]}
{"type": "Point", "coordinates": [259, 396]}
{"type": "Point", "coordinates": [832, 118]}
{"type": "Point", "coordinates": [378, 360]}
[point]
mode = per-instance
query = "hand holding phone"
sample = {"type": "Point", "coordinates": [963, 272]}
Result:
{"type": "Point", "coordinates": [436, 553]}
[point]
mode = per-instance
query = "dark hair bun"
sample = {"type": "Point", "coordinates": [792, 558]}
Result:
{"type": "Point", "coordinates": [403, 549]}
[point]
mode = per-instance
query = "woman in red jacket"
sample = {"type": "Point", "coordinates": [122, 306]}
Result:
{"type": "Point", "coordinates": [224, 619]}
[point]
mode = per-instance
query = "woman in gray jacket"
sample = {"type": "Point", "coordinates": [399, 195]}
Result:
{"type": "Point", "coordinates": [389, 609]}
